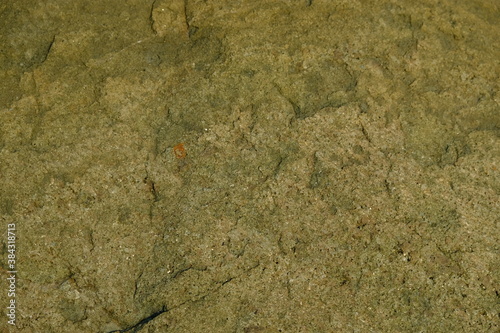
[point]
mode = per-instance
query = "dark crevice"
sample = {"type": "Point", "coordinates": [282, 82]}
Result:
{"type": "Point", "coordinates": [151, 19]}
{"type": "Point", "coordinates": [48, 49]}
{"type": "Point", "coordinates": [137, 327]}
{"type": "Point", "coordinates": [179, 272]}
{"type": "Point", "coordinates": [186, 17]}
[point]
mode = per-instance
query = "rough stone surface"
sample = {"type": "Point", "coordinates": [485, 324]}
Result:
{"type": "Point", "coordinates": [341, 171]}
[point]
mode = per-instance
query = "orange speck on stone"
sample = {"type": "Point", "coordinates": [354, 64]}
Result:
{"type": "Point", "coordinates": [180, 151]}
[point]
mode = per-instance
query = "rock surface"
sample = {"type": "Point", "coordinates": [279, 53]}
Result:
{"type": "Point", "coordinates": [340, 170]}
